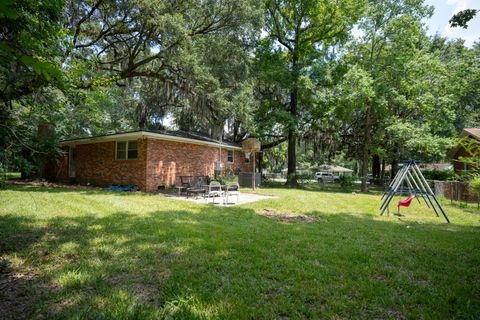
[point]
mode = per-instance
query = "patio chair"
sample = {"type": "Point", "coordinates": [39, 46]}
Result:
{"type": "Point", "coordinates": [185, 183]}
{"type": "Point", "coordinates": [231, 190]}
{"type": "Point", "coordinates": [200, 181]}
{"type": "Point", "coordinates": [214, 190]}
{"type": "Point", "coordinates": [198, 186]}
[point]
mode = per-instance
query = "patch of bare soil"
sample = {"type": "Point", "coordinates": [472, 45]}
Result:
{"type": "Point", "coordinates": [395, 314]}
{"type": "Point", "coordinates": [145, 292]}
{"type": "Point", "coordinates": [287, 216]}
{"type": "Point", "coordinates": [379, 277]}
{"type": "Point", "coordinates": [17, 295]}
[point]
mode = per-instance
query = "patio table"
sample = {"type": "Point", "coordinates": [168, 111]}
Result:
{"type": "Point", "coordinates": [196, 191]}
{"type": "Point", "coordinates": [222, 187]}
{"type": "Point", "coordinates": [181, 189]}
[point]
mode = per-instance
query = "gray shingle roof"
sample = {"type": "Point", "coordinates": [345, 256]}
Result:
{"type": "Point", "coordinates": [177, 133]}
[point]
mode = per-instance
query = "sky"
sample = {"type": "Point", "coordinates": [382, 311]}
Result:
{"type": "Point", "coordinates": [444, 10]}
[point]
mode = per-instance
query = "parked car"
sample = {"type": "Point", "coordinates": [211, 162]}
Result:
{"type": "Point", "coordinates": [323, 177]}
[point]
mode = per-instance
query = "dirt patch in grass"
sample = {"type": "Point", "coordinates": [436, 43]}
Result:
{"type": "Point", "coordinates": [287, 216]}
{"type": "Point", "coordinates": [379, 277]}
{"type": "Point", "coordinates": [58, 307]}
{"type": "Point", "coordinates": [395, 314]}
{"type": "Point", "coordinates": [17, 295]}
{"type": "Point", "coordinates": [148, 293]}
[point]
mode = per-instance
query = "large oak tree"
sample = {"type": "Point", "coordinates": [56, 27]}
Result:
{"type": "Point", "coordinates": [299, 31]}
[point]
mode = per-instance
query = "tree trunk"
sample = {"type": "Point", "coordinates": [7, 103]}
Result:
{"type": "Point", "coordinates": [363, 173]}
{"type": "Point", "coordinates": [292, 135]}
{"type": "Point", "coordinates": [292, 159]}
{"type": "Point", "coordinates": [394, 169]}
{"type": "Point", "coordinates": [260, 162]}
{"type": "Point", "coordinates": [365, 150]}
{"type": "Point", "coordinates": [45, 133]}
{"type": "Point", "coordinates": [142, 116]}
{"type": "Point", "coordinates": [382, 173]}
{"type": "Point", "coordinates": [376, 169]}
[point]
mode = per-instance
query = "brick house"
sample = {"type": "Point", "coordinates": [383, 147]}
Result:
{"type": "Point", "coordinates": [148, 159]}
{"type": "Point", "coordinates": [459, 151]}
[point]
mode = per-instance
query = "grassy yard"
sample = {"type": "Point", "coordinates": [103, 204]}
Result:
{"type": "Point", "coordinates": [109, 255]}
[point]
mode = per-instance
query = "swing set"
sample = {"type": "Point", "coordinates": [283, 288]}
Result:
{"type": "Point", "coordinates": [416, 186]}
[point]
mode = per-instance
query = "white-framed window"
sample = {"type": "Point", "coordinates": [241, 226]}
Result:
{"type": "Point", "coordinates": [230, 156]}
{"type": "Point", "coordinates": [126, 150]}
{"type": "Point", "coordinates": [247, 158]}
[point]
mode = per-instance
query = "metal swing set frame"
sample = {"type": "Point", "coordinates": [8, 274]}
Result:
{"type": "Point", "coordinates": [416, 185]}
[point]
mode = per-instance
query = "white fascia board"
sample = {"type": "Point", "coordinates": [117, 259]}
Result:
{"type": "Point", "coordinates": [160, 136]}
{"type": "Point", "coordinates": [112, 137]}
{"type": "Point", "coordinates": [139, 134]}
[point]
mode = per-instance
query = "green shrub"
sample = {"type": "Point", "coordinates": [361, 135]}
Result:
{"type": "Point", "coordinates": [441, 175]}
{"type": "Point", "coordinates": [346, 181]}
{"type": "Point", "coordinates": [4, 266]}
{"type": "Point", "coordinates": [228, 177]}
{"type": "Point", "coordinates": [475, 186]}
{"type": "Point", "coordinates": [304, 177]}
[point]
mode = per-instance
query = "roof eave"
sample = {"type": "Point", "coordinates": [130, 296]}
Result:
{"type": "Point", "coordinates": [140, 134]}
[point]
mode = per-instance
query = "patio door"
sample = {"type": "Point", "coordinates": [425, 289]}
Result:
{"type": "Point", "coordinates": [71, 162]}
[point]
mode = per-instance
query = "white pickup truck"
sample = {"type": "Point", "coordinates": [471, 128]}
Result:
{"type": "Point", "coordinates": [323, 177]}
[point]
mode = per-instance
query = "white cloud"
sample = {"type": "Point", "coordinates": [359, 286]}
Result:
{"type": "Point", "coordinates": [471, 34]}
{"type": "Point", "coordinates": [462, 5]}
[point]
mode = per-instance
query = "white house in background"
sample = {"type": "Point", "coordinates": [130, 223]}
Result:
{"type": "Point", "coordinates": [336, 170]}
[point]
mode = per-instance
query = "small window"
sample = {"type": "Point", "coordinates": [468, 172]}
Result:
{"type": "Point", "coordinates": [127, 150]}
{"type": "Point", "coordinates": [247, 158]}
{"type": "Point", "coordinates": [230, 157]}
{"type": "Point", "coordinates": [121, 148]}
{"type": "Point", "coordinates": [132, 150]}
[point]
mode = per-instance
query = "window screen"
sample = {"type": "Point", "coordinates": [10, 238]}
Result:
{"type": "Point", "coordinates": [230, 156]}
{"type": "Point", "coordinates": [127, 150]}
{"type": "Point", "coordinates": [132, 150]}
{"type": "Point", "coordinates": [121, 150]}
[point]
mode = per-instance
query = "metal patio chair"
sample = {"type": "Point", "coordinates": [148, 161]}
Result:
{"type": "Point", "coordinates": [214, 190]}
{"type": "Point", "coordinates": [231, 190]}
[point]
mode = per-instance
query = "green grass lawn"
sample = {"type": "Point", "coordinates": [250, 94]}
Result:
{"type": "Point", "coordinates": [109, 255]}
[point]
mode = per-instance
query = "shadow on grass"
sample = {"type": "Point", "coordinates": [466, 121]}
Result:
{"type": "Point", "coordinates": [231, 263]}
{"type": "Point", "coordinates": [17, 298]}
{"type": "Point", "coordinates": [84, 190]}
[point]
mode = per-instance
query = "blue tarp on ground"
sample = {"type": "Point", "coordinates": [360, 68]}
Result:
{"type": "Point", "coordinates": [130, 187]}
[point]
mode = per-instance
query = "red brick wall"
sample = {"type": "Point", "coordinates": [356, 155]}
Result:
{"type": "Point", "coordinates": [96, 164]}
{"type": "Point", "coordinates": [62, 167]}
{"type": "Point", "coordinates": [159, 162]}
{"type": "Point", "coordinates": [168, 160]}
{"type": "Point", "coordinates": [57, 170]}
{"type": "Point", "coordinates": [239, 161]}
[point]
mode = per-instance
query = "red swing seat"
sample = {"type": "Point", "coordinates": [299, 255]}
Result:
{"type": "Point", "coordinates": [405, 203]}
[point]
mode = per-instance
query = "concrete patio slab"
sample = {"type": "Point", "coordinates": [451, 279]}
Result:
{"type": "Point", "coordinates": [242, 199]}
